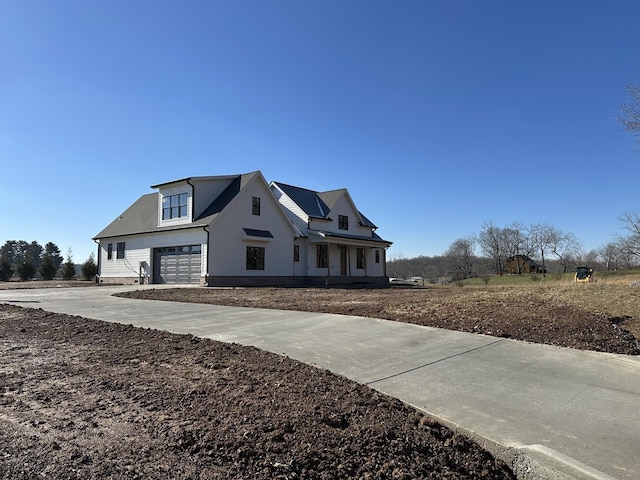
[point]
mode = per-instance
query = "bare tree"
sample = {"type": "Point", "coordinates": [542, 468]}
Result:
{"type": "Point", "coordinates": [492, 243]}
{"type": "Point", "coordinates": [543, 238]}
{"type": "Point", "coordinates": [611, 254]}
{"type": "Point", "coordinates": [460, 258]}
{"type": "Point", "coordinates": [399, 267]}
{"type": "Point", "coordinates": [631, 242]}
{"type": "Point", "coordinates": [519, 243]}
{"type": "Point", "coordinates": [565, 247]}
{"type": "Point", "coordinates": [631, 111]}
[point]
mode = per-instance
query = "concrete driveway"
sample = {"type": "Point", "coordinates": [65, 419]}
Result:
{"type": "Point", "coordinates": [556, 412]}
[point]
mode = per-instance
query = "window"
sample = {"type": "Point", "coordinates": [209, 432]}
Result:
{"type": "Point", "coordinates": [296, 253]}
{"type": "Point", "coordinates": [120, 250]}
{"type": "Point", "coordinates": [321, 256]}
{"type": "Point", "coordinates": [109, 251]}
{"type": "Point", "coordinates": [174, 206]}
{"type": "Point", "coordinates": [377, 256]}
{"type": "Point", "coordinates": [255, 258]}
{"type": "Point", "coordinates": [343, 222]}
{"type": "Point", "coordinates": [360, 258]}
{"type": "Point", "coordinates": [255, 205]}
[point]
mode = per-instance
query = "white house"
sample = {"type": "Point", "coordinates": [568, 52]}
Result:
{"type": "Point", "coordinates": [338, 244]}
{"type": "Point", "coordinates": [238, 230]}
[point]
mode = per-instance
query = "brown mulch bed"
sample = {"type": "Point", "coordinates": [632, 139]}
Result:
{"type": "Point", "coordinates": [85, 399]}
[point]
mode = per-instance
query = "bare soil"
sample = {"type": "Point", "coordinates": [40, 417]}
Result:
{"type": "Point", "coordinates": [88, 399]}
{"type": "Point", "coordinates": [85, 399]}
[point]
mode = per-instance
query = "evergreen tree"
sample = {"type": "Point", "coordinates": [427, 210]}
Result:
{"type": "Point", "coordinates": [6, 272]}
{"type": "Point", "coordinates": [89, 268]}
{"type": "Point", "coordinates": [69, 268]}
{"type": "Point", "coordinates": [26, 270]}
{"type": "Point", "coordinates": [47, 267]}
{"type": "Point", "coordinates": [10, 251]}
{"type": "Point", "coordinates": [53, 250]}
{"type": "Point", "coordinates": [34, 251]}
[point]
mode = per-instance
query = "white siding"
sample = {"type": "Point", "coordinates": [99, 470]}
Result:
{"type": "Point", "coordinates": [228, 242]}
{"type": "Point", "coordinates": [140, 249]}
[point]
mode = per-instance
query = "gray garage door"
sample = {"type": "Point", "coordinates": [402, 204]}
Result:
{"type": "Point", "coordinates": [177, 264]}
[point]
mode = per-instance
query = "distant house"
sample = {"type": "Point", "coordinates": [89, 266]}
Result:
{"type": "Point", "coordinates": [238, 230]}
{"type": "Point", "coordinates": [523, 264]}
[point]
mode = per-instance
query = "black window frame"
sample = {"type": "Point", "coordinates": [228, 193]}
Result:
{"type": "Point", "coordinates": [255, 257]}
{"type": "Point", "coordinates": [175, 206]}
{"type": "Point", "coordinates": [361, 262]}
{"type": "Point", "coordinates": [255, 205]}
{"type": "Point", "coordinates": [296, 253]}
{"type": "Point", "coordinates": [120, 249]}
{"type": "Point", "coordinates": [377, 256]}
{"type": "Point", "coordinates": [322, 256]}
{"type": "Point", "coordinates": [109, 251]}
{"type": "Point", "coordinates": [343, 222]}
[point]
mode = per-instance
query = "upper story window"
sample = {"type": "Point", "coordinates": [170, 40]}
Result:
{"type": "Point", "coordinates": [255, 205]}
{"type": "Point", "coordinates": [120, 250]}
{"type": "Point", "coordinates": [174, 206]}
{"type": "Point", "coordinates": [343, 222]}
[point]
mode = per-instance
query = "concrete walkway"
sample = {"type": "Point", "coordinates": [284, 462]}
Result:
{"type": "Point", "coordinates": [556, 412]}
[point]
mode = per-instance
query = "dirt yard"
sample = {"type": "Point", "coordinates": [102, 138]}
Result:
{"type": "Point", "coordinates": [84, 399]}
{"type": "Point", "coordinates": [87, 399]}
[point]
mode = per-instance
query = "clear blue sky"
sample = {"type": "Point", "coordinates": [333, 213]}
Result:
{"type": "Point", "coordinates": [436, 115]}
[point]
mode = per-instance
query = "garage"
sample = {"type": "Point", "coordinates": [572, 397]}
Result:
{"type": "Point", "coordinates": [177, 264]}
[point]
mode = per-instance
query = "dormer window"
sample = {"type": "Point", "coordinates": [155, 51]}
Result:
{"type": "Point", "coordinates": [343, 222]}
{"type": "Point", "coordinates": [174, 206]}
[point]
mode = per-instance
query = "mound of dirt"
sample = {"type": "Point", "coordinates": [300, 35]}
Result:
{"type": "Point", "coordinates": [510, 313]}
{"type": "Point", "coordinates": [88, 399]}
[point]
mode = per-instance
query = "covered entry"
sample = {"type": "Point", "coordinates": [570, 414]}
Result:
{"type": "Point", "coordinates": [177, 264]}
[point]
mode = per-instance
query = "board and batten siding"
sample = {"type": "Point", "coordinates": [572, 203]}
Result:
{"type": "Point", "coordinates": [228, 241]}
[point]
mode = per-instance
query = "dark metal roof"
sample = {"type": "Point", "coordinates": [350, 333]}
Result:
{"type": "Point", "coordinates": [308, 200]}
{"type": "Point", "coordinates": [374, 238]}
{"type": "Point", "coordinates": [252, 232]}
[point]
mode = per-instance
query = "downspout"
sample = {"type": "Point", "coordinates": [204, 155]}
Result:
{"type": "Point", "coordinates": [98, 275]}
{"type": "Point", "coordinates": [206, 258]}
{"type": "Point", "coordinates": [384, 258]}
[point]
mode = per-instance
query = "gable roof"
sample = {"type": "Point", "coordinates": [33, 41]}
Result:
{"type": "Point", "coordinates": [227, 195]}
{"type": "Point", "coordinates": [308, 200]}
{"type": "Point", "coordinates": [320, 204]}
{"type": "Point", "coordinates": [142, 216]}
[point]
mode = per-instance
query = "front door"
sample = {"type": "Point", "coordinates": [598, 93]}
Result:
{"type": "Point", "coordinates": [343, 260]}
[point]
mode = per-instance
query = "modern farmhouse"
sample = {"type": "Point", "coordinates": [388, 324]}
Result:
{"type": "Point", "coordinates": [239, 230]}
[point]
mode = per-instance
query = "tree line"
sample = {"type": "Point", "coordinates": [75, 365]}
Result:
{"type": "Point", "coordinates": [554, 250]}
{"type": "Point", "coordinates": [28, 260]}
